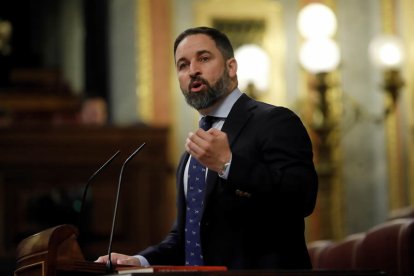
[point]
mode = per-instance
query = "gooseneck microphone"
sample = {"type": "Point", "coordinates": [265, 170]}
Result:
{"type": "Point", "coordinates": [85, 190]}
{"type": "Point", "coordinates": [109, 265]}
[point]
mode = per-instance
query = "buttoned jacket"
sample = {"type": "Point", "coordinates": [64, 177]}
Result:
{"type": "Point", "coordinates": [254, 219]}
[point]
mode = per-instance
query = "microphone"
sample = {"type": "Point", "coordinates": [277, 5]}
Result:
{"type": "Point", "coordinates": [109, 265]}
{"type": "Point", "coordinates": [85, 190]}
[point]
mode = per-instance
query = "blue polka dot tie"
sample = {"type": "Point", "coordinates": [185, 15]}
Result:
{"type": "Point", "coordinates": [195, 196]}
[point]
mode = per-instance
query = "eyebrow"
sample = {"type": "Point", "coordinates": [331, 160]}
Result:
{"type": "Point", "coordinates": [199, 53]}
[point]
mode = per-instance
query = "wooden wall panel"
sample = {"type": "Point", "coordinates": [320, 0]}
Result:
{"type": "Point", "coordinates": [43, 171]}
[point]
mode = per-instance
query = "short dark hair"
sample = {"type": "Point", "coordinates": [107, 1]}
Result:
{"type": "Point", "coordinates": [222, 41]}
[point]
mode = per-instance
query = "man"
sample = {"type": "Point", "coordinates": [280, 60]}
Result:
{"type": "Point", "coordinates": [259, 182]}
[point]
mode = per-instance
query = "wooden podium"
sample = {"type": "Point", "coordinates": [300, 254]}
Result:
{"type": "Point", "coordinates": [54, 251]}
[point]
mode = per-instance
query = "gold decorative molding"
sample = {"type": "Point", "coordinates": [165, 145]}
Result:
{"type": "Point", "coordinates": [144, 61]}
{"type": "Point", "coordinates": [407, 15]}
{"type": "Point", "coordinates": [407, 10]}
{"type": "Point", "coordinates": [396, 177]}
{"type": "Point", "coordinates": [388, 16]}
{"type": "Point", "coordinates": [31, 269]}
{"type": "Point", "coordinates": [338, 191]}
{"type": "Point", "coordinates": [267, 11]}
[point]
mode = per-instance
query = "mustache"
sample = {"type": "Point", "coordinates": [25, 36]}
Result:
{"type": "Point", "coordinates": [197, 79]}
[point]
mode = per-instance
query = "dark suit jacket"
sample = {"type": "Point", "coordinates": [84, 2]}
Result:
{"type": "Point", "coordinates": [255, 218]}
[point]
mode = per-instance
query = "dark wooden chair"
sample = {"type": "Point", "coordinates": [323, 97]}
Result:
{"type": "Point", "coordinates": [390, 247]}
{"type": "Point", "coordinates": [316, 249]}
{"type": "Point", "coordinates": [342, 254]}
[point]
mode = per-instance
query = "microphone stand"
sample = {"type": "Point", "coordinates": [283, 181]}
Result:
{"type": "Point", "coordinates": [109, 265]}
{"type": "Point", "coordinates": [85, 190]}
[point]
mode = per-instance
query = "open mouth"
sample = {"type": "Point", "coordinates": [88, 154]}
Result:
{"type": "Point", "coordinates": [196, 86]}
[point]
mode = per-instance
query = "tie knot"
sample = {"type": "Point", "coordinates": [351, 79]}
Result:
{"type": "Point", "coordinates": [206, 122]}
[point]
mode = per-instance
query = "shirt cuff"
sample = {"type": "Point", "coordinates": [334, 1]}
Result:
{"type": "Point", "coordinates": [226, 171]}
{"type": "Point", "coordinates": [142, 260]}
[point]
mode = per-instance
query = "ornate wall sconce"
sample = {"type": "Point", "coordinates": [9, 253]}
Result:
{"type": "Point", "coordinates": [387, 54]}
{"type": "Point", "coordinates": [253, 69]}
{"type": "Point", "coordinates": [319, 55]}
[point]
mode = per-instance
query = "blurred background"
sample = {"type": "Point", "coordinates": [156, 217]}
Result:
{"type": "Point", "coordinates": [80, 79]}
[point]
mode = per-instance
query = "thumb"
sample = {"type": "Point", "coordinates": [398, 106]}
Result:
{"type": "Point", "coordinates": [101, 259]}
{"type": "Point", "coordinates": [214, 131]}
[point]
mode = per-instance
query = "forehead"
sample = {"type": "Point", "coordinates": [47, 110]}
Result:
{"type": "Point", "coordinates": [195, 44]}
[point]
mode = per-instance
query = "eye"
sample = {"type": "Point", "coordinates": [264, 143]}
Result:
{"type": "Point", "coordinates": [182, 65]}
{"type": "Point", "coordinates": [204, 59]}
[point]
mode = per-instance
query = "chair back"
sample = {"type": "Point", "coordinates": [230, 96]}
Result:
{"type": "Point", "coordinates": [390, 247]}
{"type": "Point", "coordinates": [315, 249]}
{"type": "Point", "coordinates": [342, 254]}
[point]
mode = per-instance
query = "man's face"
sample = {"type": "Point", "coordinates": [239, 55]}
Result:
{"type": "Point", "coordinates": [202, 71]}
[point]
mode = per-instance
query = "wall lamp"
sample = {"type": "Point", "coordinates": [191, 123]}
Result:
{"type": "Point", "coordinates": [253, 69]}
{"type": "Point", "coordinates": [319, 55]}
{"type": "Point", "coordinates": [387, 54]}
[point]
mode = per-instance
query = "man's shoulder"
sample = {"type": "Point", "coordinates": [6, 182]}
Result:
{"type": "Point", "coordinates": [247, 107]}
{"type": "Point", "coordinates": [246, 101]}
{"type": "Point", "coordinates": [271, 109]}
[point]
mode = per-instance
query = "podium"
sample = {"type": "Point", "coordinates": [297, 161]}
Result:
{"type": "Point", "coordinates": [54, 251]}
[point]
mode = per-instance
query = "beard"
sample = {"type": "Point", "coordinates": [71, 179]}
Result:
{"type": "Point", "coordinates": [208, 96]}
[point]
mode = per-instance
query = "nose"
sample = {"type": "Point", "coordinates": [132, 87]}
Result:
{"type": "Point", "coordinates": [194, 69]}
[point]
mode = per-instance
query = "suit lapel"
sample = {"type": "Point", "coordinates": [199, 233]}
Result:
{"type": "Point", "coordinates": [239, 115]}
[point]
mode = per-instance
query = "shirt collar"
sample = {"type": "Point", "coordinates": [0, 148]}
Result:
{"type": "Point", "coordinates": [223, 110]}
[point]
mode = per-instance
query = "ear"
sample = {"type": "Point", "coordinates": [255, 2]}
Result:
{"type": "Point", "coordinates": [231, 64]}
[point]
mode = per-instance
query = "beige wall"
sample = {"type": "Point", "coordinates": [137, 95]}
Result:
{"type": "Point", "coordinates": [365, 172]}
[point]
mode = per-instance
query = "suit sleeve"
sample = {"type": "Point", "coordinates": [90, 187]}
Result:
{"type": "Point", "coordinates": [167, 252]}
{"type": "Point", "coordinates": [282, 168]}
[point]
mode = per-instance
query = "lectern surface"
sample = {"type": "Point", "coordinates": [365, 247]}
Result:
{"type": "Point", "coordinates": [270, 273]}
